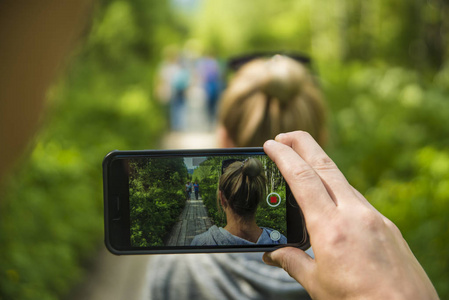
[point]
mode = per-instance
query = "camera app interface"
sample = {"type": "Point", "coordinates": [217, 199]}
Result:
{"type": "Point", "coordinates": [206, 201]}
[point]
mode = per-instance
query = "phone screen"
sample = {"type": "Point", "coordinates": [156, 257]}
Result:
{"type": "Point", "coordinates": [172, 200]}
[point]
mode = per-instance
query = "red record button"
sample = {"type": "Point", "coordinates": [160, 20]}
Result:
{"type": "Point", "coordinates": [273, 199]}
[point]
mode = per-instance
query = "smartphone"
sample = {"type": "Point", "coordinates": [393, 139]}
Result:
{"type": "Point", "coordinates": [162, 202]}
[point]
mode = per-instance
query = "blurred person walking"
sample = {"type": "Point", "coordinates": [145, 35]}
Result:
{"type": "Point", "coordinates": [196, 116]}
{"type": "Point", "coordinates": [210, 73]}
{"type": "Point", "coordinates": [165, 77]}
{"type": "Point", "coordinates": [180, 83]}
{"type": "Point", "coordinates": [172, 84]}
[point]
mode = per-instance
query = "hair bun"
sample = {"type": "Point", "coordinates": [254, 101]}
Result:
{"type": "Point", "coordinates": [252, 167]}
{"type": "Point", "coordinates": [285, 78]}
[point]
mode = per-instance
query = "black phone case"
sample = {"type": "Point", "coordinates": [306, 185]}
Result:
{"type": "Point", "coordinates": [109, 202]}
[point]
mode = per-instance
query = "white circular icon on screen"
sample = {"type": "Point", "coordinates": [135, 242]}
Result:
{"type": "Point", "coordinates": [273, 199]}
{"type": "Point", "coordinates": [275, 235]}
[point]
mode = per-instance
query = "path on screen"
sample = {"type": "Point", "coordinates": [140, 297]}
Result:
{"type": "Point", "coordinates": [192, 221]}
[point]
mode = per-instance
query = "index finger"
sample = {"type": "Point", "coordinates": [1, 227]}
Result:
{"type": "Point", "coordinates": [304, 182]}
{"type": "Point", "coordinates": [312, 153]}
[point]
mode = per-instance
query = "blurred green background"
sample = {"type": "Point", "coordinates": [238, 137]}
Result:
{"type": "Point", "coordinates": [383, 68]}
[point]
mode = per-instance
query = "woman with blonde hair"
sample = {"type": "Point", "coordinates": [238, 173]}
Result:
{"type": "Point", "coordinates": [241, 188]}
{"type": "Point", "coordinates": [266, 96]}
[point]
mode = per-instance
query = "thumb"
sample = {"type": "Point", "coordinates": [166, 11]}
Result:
{"type": "Point", "coordinates": [294, 261]}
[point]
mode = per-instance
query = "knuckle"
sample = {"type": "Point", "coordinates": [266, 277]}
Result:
{"type": "Point", "coordinates": [336, 237]}
{"type": "Point", "coordinates": [302, 134]}
{"type": "Point", "coordinates": [390, 225]}
{"type": "Point", "coordinates": [323, 162]}
{"type": "Point", "coordinates": [371, 220]}
{"type": "Point", "coordinates": [335, 231]}
{"type": "Point", "coordinates": [303, 174]}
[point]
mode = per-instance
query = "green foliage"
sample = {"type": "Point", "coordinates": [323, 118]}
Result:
{"type": "Point", "coordinates": [398, 32]}
{"type": "Point", "coordinates": [156, 198]}
{"type": "Point", "coordinates": [416, 206]}
{"type": "Point", "coordinates": [389, 136]}
{"type": "Point", "coordinates": [51, 215]}
{"type": "Point", "coordinates": [384, 71]}
{"type": "Point", "coordinates": [207, 175]}
{"type": "Point", "coordinates": [267, 216]}
{"type": "Point", "coordinates": [273, 218]}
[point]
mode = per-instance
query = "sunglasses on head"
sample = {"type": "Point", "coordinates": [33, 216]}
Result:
{"type": "Point", "coordinates": [235, 63]}
{"type": "Point", "coordinates": [227, 162]}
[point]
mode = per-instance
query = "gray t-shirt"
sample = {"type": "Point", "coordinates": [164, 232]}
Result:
{"type": "Point", "coordinates": [220, 236]}
{"type": "Point", "coordinates": [219, 276]}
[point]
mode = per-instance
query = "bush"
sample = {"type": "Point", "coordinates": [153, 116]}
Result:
{"type": "Point", "coordinates": [416, 207]}
{"type": "Point", "coordinates": [389, 136]}
{"type": "Point", "coordinates": [155, 191]}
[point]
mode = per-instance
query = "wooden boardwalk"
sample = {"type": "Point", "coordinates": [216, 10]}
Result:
{"type": "Point", "coordinates": [192, 221]}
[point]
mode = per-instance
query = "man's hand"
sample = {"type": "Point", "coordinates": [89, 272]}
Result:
{"type": "Point", "coordinates": [359, 254]}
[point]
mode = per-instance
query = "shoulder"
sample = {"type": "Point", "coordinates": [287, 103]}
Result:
{"type": "Point", "coordinates": [205, 238]}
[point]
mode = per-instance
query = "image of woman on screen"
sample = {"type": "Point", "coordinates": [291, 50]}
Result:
{"type": "Point", "coordinates": [242, 186]}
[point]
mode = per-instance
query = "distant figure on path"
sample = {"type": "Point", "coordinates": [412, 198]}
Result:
{"type": "Point", "coordinates": [196, 188]}
{"type": "Point", "coordinates": [188, 190]}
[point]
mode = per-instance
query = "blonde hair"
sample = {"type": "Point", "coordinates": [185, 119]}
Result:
{"type": "Point", "coordinates": [270, 96]}
{"type": "Point", "coordinates": [243, 184]}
